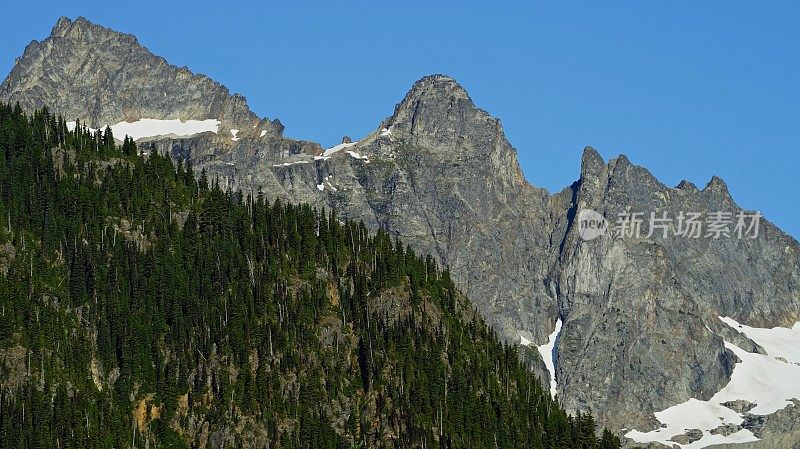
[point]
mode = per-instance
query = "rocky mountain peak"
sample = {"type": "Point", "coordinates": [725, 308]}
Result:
{"type": "Point", "coordinates": [82, 28]}
{"type": "Point", "coordinates": [717, 184]}
{"type": "Point", "coordinates": [436, 86]}
{"type": "Point", "coordinates": [438, 109]}
{"type": "Point", "coordinates": [687, 186]}
{"type": "Point", "coordinates": [103, 77]}
{"type": "Point", "coordinates": [591, 163]}
{"type": "Point", "coordinates": [717, 191]}
{"type": "Point", "coordinates": [61, 26]}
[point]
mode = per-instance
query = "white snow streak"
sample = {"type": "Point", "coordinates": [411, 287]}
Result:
{"type": "Point", "coordinates": [234, 132]}
{"type": "Point", "coordinates": [548, 352]}
{"type": "Point", "coordinates": [336, 148]}
{"type": "Point", "coordinates": [769, 381]}
{"type": "Point", "coordinates": [358, 156]}
{"type": "Point", "coordinates": [287, 164]}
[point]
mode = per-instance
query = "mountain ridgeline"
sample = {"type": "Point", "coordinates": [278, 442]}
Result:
{"type": "Point", "coordinates": [144, 306]}
{"type": "Point", "coordinates": [634, 323]}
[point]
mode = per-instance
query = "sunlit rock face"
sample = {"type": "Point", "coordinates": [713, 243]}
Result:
{"type": "Point", "coordinates": [637, 318]}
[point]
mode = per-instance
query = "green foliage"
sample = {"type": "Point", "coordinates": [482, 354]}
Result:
{"type": "Point", "coordinates": [140, 301]}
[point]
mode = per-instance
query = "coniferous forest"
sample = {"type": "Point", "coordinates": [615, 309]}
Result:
{"type": "Point", "coordinates": [143, 306]}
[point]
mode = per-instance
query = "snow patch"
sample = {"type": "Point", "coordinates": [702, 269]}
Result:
{"type": "Point", "coordinates": [234, 132]}
{"type": "Point", "coordinates": [287, 164]}
{"type": "Point", "coordinates": [263, 133]}
{"type": "Point", "coordinates": [386, 132]}
{"type": "Point", "coordinates": [152, 127]}
{"type": "Point", "coordinates": [524, 341]}
{"type": "Point", "coordinates": [358, 156]}
{"type": "Point", "coordinates": [71, 126]}
{"type": "Point", "coordinates": [321, 186]}
{"type": "Point", "coordinates": [148, 127]}
{"type": "Point", "coordinates": [768, 381]}
{"type": "Point", "coordinates": [778, 340]}
{"type": "Point", "coordinates": [337, 148]}
{"type": "Point", "coordinates": [548, 352]}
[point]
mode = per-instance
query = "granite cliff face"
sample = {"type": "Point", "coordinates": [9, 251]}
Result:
{"type": "Point", "coordinates": [641, 329]}
{"type": "Point", "coordinates": [651, 305]}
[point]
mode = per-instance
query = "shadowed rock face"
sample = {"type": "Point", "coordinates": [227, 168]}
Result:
{"type": "Point", "coordinates": [640, 315]}
{"type": "Point", "coordinates": [642, 324]}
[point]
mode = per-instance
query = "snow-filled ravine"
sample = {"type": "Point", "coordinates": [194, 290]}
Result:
{"type": "Point", "coordinates": [769, 382]}
{"type": "Point", "coordinates": [548, 353]}
{"type": "Point", "coordinates": [147, 127]}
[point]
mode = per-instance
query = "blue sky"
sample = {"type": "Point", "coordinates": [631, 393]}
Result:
{"type": "Point", "coordinates": [687, 89]}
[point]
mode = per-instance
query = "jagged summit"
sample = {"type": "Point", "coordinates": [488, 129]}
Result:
{"type": "Point", "coordinates": [435, 86]}
{"type": "Point", "coordinates": [687, 185]}
{"type": "Point", "coordinates": [430, 88]}
{"type": "Point", "coordinates": [62, 24]}
{"type": "Point", "coordinates": [100, 76]}
{"type": "Point", "coordinates": [438, 109]}
{"type": "Point", "coordinates": [717, 184]}
{"type": "Point", "coordinates": [591, 162]}
{"type": "Point", "coordinates": [65, 26]}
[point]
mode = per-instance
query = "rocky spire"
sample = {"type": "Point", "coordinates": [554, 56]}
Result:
{"type": "Point", "coordinates": [592, 163]}
{"type": "Point", "coordinates": [61, 26]}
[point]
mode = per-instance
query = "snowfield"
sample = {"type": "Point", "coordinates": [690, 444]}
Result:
{"type": "Point", "coordinates": [768, 381]}
{"type": "Point", "coordinates": [148, 127]}
{"type": "Point", "coordinates": [778, 340]}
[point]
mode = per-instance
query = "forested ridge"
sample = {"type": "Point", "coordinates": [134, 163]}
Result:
{"type": "Point", "coordinates": [143, 306]}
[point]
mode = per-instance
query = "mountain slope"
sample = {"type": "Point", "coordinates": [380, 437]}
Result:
{"type": "Point", "coordinates": [142, 306]}
{"type": "Point", "coordinates": [641, 329]}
